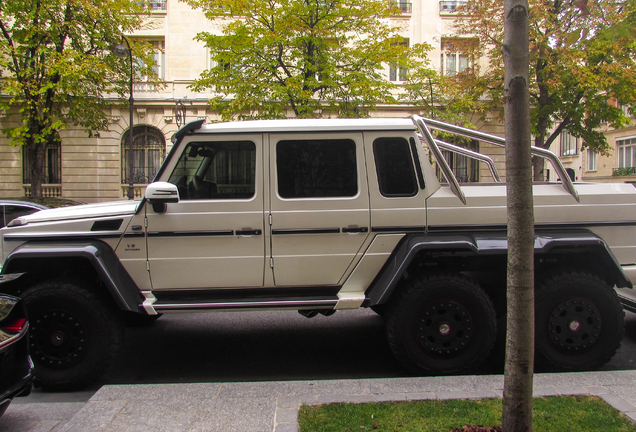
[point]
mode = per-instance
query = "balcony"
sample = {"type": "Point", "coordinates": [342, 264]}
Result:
{"type": "Point", "coordinates": [620, 172]}
{"type": "Point", "coordinates": [158, 5]}
{"type": "Point", "coordinates": [450, 6]}
{"type": "Point", "coordinates": [405, 7]}
{"type": "Point", "coordinates": [48, 190]}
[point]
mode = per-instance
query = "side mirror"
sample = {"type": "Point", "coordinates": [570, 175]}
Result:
{"type": "Point", "coordinates": [161, 193]}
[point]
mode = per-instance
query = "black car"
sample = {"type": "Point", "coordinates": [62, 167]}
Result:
{"type": "Point", "coordinates": [11, 209]}
{"type": "Point", "coordinates": [16, 367]}
{"type": "Point", "coordinates": [15, 207]}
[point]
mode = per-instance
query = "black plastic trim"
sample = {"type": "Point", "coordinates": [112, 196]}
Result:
{"type": "Point", "coordinates": [107, 225]}
{"type": "Point", "coordinates": [101, 256]}
{"type": "Point", "coordinates": [219, 295]}
{"type": "Point", "coordinates": [306, 231]}
{"type": "Point", "coordinates": [399, 229]}
{"type": "Point", "coordinates": [418, 166]}
{"type": "Point", "coordinates": [565, 225]}
{"type": "Point", "coordinates": [190, 233]}
{"type": "Point", "coordinates": [134, 235]}
{"type": "Point", "coordinates": [490, 243]}
{"type": "Point", "coordinates": [627, 298]}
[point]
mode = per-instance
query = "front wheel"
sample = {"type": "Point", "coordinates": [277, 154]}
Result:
{"type": "Point", "coordinates": [75, 334]}
{"type": "Point", "coordinates": [441, 323]}
{"type": "Point", "coordinates": [579, 322]}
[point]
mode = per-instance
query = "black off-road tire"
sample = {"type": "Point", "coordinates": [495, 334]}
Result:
{"type": "Point", "coordinates": [75, 333]}
{"type": "Point", "coordinates": [440, 324]}
{"type": "Point", "coordinates": [578, 322]}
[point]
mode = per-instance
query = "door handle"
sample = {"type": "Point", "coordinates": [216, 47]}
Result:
{"type": "Point", "coordinates": [249, 232]}
{"type": "Point", "coordinates": [355, 230]}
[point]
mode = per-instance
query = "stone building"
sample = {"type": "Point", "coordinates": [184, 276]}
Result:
{"type": "Point", "coordinates": [94, 169]}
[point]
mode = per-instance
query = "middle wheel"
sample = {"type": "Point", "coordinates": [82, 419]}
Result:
{"type": "Point", "coordinates": [441, 323]}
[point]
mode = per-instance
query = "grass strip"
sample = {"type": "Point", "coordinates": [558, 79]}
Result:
{"type": "Point", "coordinates": [550, 414]}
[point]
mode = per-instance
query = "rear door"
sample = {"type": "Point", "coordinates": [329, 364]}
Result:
{"type": "Point", "coordinates": [319, 206]}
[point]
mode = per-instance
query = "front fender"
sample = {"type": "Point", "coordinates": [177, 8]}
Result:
{"type": "Point", "coordinates": [101, 257]}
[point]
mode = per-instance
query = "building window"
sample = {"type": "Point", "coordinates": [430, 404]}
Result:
{"type": "Point", "coordinates": [592, 160]}
{"type": "Point", "coordinates": [158, 5]}
{"type": "Point", "coordinates": [160, 57]}
{"type": "Point", "coordinates": [625, 109]}
{"type": "Point", "coordinates": [466, 169]}
{"type": "Point", "coordinates": [404, 6]}
{"type": "Point", "coordinates": [454, 58]}
{"type": "Point", "coordinates": [569, 144]}
{"type": "Point", "coordinates": [149, 150]}
{"type": "Point", "coordinates": [626, 152]}
{"type": "Point", "coordinates": [398, 73]}
{"type": "Point", "coordinates": [450, 6]}
{"type": "Point", "coordinates": [52, 163]}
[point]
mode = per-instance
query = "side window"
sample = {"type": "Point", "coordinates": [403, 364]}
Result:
{"type": "Point", "coordinates": [317, 168]}
{"type": "Point", "coordinates": [394, 165]}
{"type": "Point", "coordinates": [216, 170]}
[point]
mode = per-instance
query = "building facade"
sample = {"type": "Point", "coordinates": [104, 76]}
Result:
{"type": "Point", "coordinates": [95, 169]}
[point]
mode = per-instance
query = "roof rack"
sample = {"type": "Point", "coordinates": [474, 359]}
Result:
{"type": "Point", "coordinates": [424, 125]}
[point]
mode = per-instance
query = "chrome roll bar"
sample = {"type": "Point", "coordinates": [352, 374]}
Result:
{"type": "Point", "coordinates": [423, 125]}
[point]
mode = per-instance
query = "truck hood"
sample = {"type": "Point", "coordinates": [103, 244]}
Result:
{"type": "Point", "coordinates": [118, 208]}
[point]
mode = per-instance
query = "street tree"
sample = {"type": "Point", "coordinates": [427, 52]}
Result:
{"type": "Point", "coordinates": [307, 56]}
{"type": "Point", "coordinates": [582, 66]}
{"type": "Point", "coordinates": [57, 66]}
{"type": "Point", "coordinates": [518, 374]}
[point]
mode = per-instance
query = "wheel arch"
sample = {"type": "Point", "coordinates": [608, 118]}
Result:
{"type": "Point", "coordinates": [45, 260]}
{"type": "Point", "coordinates": [461, 251]}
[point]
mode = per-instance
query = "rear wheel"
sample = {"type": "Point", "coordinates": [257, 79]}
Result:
{"type": "Point", "coordinates": [441, 323]}
{"type": "Point", "coordinates": [75, 334]}
{"type": "Point", "coordinates": [579, 322]}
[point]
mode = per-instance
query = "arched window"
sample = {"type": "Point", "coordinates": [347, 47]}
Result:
{"type": "Point", "coordinates": [149, 150]}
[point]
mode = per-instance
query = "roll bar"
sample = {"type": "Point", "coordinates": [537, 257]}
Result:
{"type": "Point", "coordinates": [423, 125]}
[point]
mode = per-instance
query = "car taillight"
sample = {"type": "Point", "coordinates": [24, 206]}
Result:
{"type": "Point", "coordinates": [13, 327]}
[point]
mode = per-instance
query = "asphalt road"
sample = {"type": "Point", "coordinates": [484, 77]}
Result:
{"type": "Point", "coordinates": [266, 346]}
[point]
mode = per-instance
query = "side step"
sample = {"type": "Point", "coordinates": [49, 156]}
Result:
{"type": "Point", "coordinates": [627, 296]}
{"type": "Point", "coordinates": [239, 299]}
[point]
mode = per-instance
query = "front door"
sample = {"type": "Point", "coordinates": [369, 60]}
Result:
{"type": "Point", "coordinates": [213, 237]}
{"type": "Point", "coordinates": [319, 206]}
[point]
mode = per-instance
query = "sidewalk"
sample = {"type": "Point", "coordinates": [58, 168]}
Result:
{"type": "Point", "coordinates": [273, 406]}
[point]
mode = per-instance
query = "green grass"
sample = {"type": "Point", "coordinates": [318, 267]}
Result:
{"type": "Point", "coordinates": [553, 414]}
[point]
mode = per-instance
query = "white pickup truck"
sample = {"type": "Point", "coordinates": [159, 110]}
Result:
{"type": "Point", "coordinates": [320, 216]}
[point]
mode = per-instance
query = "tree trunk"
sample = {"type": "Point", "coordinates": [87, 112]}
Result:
{"type": "Point", "coordinates": [38, 157]}
{"type": "Point", "coordinates": [538, 168]}
{"type": "Point", "coordinates": [517, 397]}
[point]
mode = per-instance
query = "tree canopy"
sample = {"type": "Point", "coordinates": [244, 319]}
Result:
{"type": "Point", "coordinates": [582, 66]}
{"type": "Point", "coordinates": [303, 55]}
{"type": "Point", "coordinates": [56, 64]}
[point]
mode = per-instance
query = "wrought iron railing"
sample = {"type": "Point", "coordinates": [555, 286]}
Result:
{"type": "Point", "coordinates": [619, 172]}
{"type": "Point", "coordinates": [158, 5]}
{"type": "Point", "coordinates": [450, 6]}
{"type": "Point", "coordinates": [405, 7]}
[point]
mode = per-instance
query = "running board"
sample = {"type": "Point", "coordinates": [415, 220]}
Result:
{"type": "Point", "coordinates": [245, 305]}
{"type": "Point", "coordinates": [244, 299]}
{"type": "Point", "coordinates": [627, 296]}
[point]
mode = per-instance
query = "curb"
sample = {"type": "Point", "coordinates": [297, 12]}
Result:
{"type": "Point", "coordinates": [273, 406]}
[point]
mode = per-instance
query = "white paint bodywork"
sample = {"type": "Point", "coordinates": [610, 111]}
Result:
{"type": "Point", "coordinates": [349, 261]}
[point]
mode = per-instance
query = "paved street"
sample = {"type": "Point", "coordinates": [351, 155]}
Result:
{"type": "Point", "coordinates": [250, 346]}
